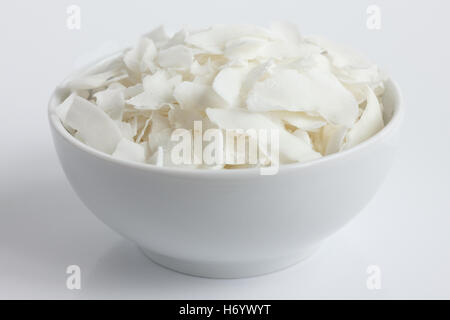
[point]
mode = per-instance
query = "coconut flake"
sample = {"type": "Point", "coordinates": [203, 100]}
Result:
{"type": "Point", "coordinates": [179, 118]}
{"type": "Point", "coordinates": [197, 96]}
{"type": "Point", "coordinates": [289, 90]}
{"type": "Point", "coordinates": [288, 31]}
{"type": "Point", "coordinates": [93, 125]}
{"type": "Point", "coordinates": [228, 83]}
{"type": "Point", "coordinates": [300, 120]}
{"type": "Point", "coordinates": [291, 147]}
{"type": "Point", "coordinates": [127, 129]}
{"type": "Point", "coordinates": [133, 57]}
{"type": "Point", "coordinates": [333, 138]}
{"type": "Point", "coordinates": [244, 48]}
{"type": "Point", "coordinates": [370, 123]}
{"type": "Point", "coordinates": [112, 102]}
{"type": "Point", "coordinates": [133, 91]}
{"type": "Point", "coordinates": [339, 55]}
{"type": "Point", "coordinates": [158, 90]}
{"type": "Point", "coordinates": [93, 81]}
{"type": "Point", "coordinates": [158, 36]}
{"type": "Point", "coordinates": [62, 109]}
{"type": "Point", "coordinates": [148, 58]}
{"type": "Point", "coordinates": [259, 72]}
{"type": "Point", "coordinates": [178, 56]}
{"type": "Point", "coordinates": [128, 150]}
{"type": "Point", "coordinates": [179, 38]}
{"type": "Point", "coordinates": [215, 38]}
{"type": "Point", "coordinates": [284, 50]}
{"type": "Point", "coordinates": [302, 134]}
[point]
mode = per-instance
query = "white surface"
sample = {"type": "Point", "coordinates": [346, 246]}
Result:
{"type": "Point", "coordinates": [44, 227]}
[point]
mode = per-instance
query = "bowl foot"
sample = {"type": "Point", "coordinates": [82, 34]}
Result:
{"type": "Point", "coordinates": [229, 270]}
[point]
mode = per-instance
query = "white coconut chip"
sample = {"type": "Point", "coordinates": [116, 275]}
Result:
{"type": "Point", "coordinates": [159, 122]}
{"type": "Point", "coordinates": [369, 124]}
{"type": "Point", "coordinates": [158, 36]}
{"type": "Point", "coordinates": [244, 48]}
{"type": "Point", "coordinates": [179, 118]}
{"type": "Point", "coordinates": [179, 38]}
{"type": "Point", "coordinates": [159, 138]}
{"type": "Point", "coordinates": [98, 75]}
{"type": "Point", "coordinates": [257, 73]}
{"type": "Point", "coordinates": [333, 138]}
{"type": "Point", "coordinates": [365, 76]}
{"type": "Point", "coordinates": [133, 57]}
{"type": "Point", "coordinates": [179, 57]}
{"type": "Point", "coordinates": [148, 58]}
{"type": "Point", "coordinates": [288, 31]}
{"type": "Point", "coordinates": [228, 83]}
{"type": "Point", "coordinates": [63, 108]}
{"type": "Point", "coordinates": [302, 134]}
{"type": "Point", "coordinates": [339, 55]}
{"type": "Point", "coordinates": [203, 73]}
{"type": "Point", "coordinates": [289, 90]}
{"type": "Point", "coordinates": [312, 61]}
{"type": "Point", "coordinates": [112, 102]}
{"type": "Point", "coordinates": [290, 146]}
{"type": "Point", "coordinates": [214, 39]}
{"type": "Point", "coordinates": [93, 81]}
{"type": "Point", "coordinates": [116, 86]}
{"type": "Point", "coordinates": [198, 69]}
{"type": "Point", "coordinates": [127, 129]}
{"type": "Point", "coordinates": [197, 96]}
{"type": "Point", "coordinates": [93, 125]}
{"type": "Point", "coordinates": [128, 150]}
{"type": "Point", "coordinates": [115, 62]}
{"type": "Point", "coordinates": [158, 90]}
{"type": "Point", "coordinates": [300, 120]}
{"type": "Point", "coordinates": [133, 91]}
{"type": "Point", "coordinates": [283, 50]}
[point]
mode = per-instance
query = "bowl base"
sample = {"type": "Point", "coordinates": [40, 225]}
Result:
{"type": "Point", "coordinates": [229, 270]}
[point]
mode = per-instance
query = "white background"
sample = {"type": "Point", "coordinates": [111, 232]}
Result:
{"type": "Point", "coordinates": [44, 228]}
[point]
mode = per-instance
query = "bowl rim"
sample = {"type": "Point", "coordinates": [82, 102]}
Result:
{"type": "Point", "coordinates": [391, 126]}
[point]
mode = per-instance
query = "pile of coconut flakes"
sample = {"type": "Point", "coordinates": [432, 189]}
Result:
{"type": "Point", "coordinates": [322, 98]}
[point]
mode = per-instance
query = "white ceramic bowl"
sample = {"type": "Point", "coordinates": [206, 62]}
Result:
{"type": "Point", "coordinates": [228, 223]}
